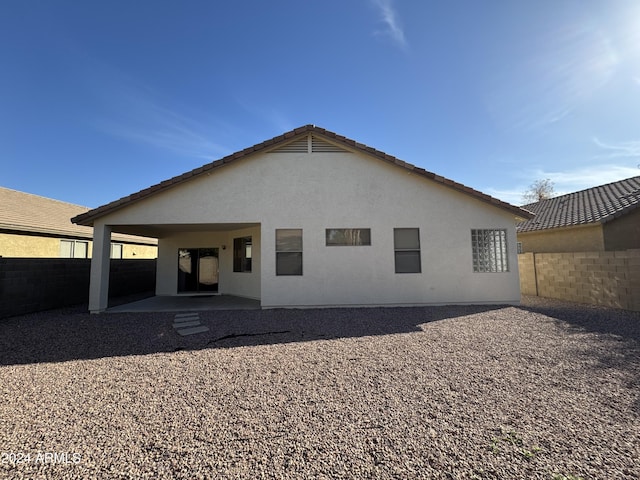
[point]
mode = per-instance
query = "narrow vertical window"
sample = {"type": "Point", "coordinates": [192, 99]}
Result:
{"type": "Point", "coordinates": [406, 244]}
{"type": "Point", "coordinates": [289, 251]}
{"type": "Point", "coordinates": [66, 248]}
{"type": "Point", "coordinates": [242, 254]}
{"type": "Point", "coordinates": [116, 250]}
{"type": "Point", "coordinates": [489, 248]}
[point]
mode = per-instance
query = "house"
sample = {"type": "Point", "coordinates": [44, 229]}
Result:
{"type": "Point", "coordinates": [35, 226]}
{"type": "Point", "coordinates": [602, 218]}
{"type": "Point", "coordinates": [312, 218]}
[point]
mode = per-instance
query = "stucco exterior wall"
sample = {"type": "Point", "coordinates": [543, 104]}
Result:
{"type": "Point", "coordinates": [623, 233]}
{"type": "Point", "coordinates": [315, 191]}
{"type": "Point", "coordinates": [577, 239]}
{"type": "Point", "coordinates": [28, 246]}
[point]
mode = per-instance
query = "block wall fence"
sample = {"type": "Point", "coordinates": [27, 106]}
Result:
{"type": "Point", "coordinates": [34, 284]}
{"type": "Point", "coordinates": [610, 279]}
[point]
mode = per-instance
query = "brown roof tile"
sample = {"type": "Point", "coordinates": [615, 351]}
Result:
{"type": "Point", "coordinates": [599, 204]}
{"type": "Point", "coordinates": [88, 217]}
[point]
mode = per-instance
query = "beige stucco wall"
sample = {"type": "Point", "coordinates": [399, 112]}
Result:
{"type": "Point", "coordinates": [578, 239]}
{"type": "Point", "coordinates": [623, 233]}
{"type": "Point", "coordinates": [27, 246]}
{"type": "Point", "coordinates": [131, 250]}
{"type": "Point", "coordinates": [334, 190]}
{"type": "Point", "coordinates": [31, 246]}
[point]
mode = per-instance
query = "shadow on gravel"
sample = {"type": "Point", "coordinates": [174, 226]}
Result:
{"type": "Point", "coordinates": [72, 334]}
{"type": "Point", "coordinates": [620, 329]}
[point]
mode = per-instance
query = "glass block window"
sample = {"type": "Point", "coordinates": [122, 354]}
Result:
{"type": "Point", "coordinates": [348, 236]}
{"type": "Point", "coordinates": [289, 251]}
{"type": "Point", "coordinates": [489, 250]}
{"type": "Point", "coordinates": [406, 244]}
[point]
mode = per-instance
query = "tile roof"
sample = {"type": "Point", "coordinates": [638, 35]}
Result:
{"type": "Point", "coordinates": [594, 205]}
{"type": "Point", "coordinates": [88, 217]}
{"type": "Point", "coordinates": [22, 212]}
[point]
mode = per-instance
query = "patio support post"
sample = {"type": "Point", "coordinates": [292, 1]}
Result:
{"type": "Point", "coordinates": [100, 263]}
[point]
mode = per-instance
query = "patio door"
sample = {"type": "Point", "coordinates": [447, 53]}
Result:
{"type": "Point", "coordinates": [197, 270]}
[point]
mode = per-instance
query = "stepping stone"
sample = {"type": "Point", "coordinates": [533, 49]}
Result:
{"type": "Point", "coordinates": [193, 330]}
{"type": "Point", "coordinates": [181, 316]}
{"type": "Point", "coordinates": [186, 319]}
{"type": "Point", "coordinates": [187, 324]}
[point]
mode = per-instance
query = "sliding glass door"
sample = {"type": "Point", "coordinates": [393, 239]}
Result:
{"type": "Point", "coordinates": [197, 270]}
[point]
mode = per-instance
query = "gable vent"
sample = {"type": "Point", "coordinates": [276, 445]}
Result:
{"type": "Point", "coordinates": [297, 146]}
{"type": "Point", "coordinates": [301, 145]}
{"type": "Point", "coordinates": [320, 146]}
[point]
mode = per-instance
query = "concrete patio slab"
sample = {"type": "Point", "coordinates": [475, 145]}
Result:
{"type": "Point", "coordinates": [186, 303]}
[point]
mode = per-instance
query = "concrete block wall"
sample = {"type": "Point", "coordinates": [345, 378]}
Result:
{"type": "Point", "coordinates": [35, 284]}
{"type": "Point", "coordinates": [602, 278]}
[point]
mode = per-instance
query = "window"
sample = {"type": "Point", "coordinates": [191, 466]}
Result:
{"type": "Point", "coordinates": [519, 245]}
{"type": "Point", "coordinates": [116, 250]}
{"type": "Point", "coordinates": [489, 250]}
{"type": "Point", "coordinates": [289, 251]}
{"type": "Point", "coordinates": [73, 249]}
{"type": "Point", "coordinates": [348, 236]}
{"type": "Point", "coordinates": [406, 243]}
{"type": "Point", "coordinates": [242, 254]}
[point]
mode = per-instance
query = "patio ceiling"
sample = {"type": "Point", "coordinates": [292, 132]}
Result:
{"type": "Point", "coordinates": [163, 230]}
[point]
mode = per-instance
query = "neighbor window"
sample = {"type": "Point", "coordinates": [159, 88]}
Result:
{"type": "Point", "coordinates": [489, 250]}
{"type": "Point", "coordinates": [74, 249]}
{"type": "Point", "coordinates": [519, 246]}
{"type": "Point", "coordinates": [116, 250]}
{"type": "Point", "coordinates": [242, 254]}
{"type": "Point", "coordinates": [289, 251]}
{"type": "Point", "coordinates": [348, 236]}
{"type": "Point", "coordinates": [406, 244]}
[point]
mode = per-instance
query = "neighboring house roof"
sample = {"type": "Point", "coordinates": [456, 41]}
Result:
{"type": "Point", "coordinates": [594, 205]}
{"type": "Point", "coordinates": [89, 217]}
{"type": "Point", "coordinates": [22, 212]}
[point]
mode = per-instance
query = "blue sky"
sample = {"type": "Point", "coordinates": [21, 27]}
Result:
{"type": "Point", "coordinates": [102, 99]}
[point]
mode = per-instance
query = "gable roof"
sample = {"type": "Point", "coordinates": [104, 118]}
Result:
{"type": "Point", "coordinates": [599, 204]}
{"type": "Point", "coordinates": [286, 138]}
{"type": "Point", "coordinates": [26, 213]}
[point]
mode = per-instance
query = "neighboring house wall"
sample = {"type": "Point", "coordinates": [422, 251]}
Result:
{"type": "Point", "coordinates": [316, 191]}
{"type": "Point", "coordinates": [623, 232]}
{"type": "Point", "coordinates": [13, 245]}
{"type": "Point", "coordinates": [602, 278]}
{"type": "Point", "coordinates": [34, 246]}
{"type": "Point", "coordinates": [577, 239]}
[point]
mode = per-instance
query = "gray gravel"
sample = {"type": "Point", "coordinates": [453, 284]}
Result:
{"type": "Point", "coordinates": [546, 390]}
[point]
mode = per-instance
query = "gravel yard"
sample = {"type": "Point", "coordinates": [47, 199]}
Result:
{"type": "Point", "coordinates": [547, 390]}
